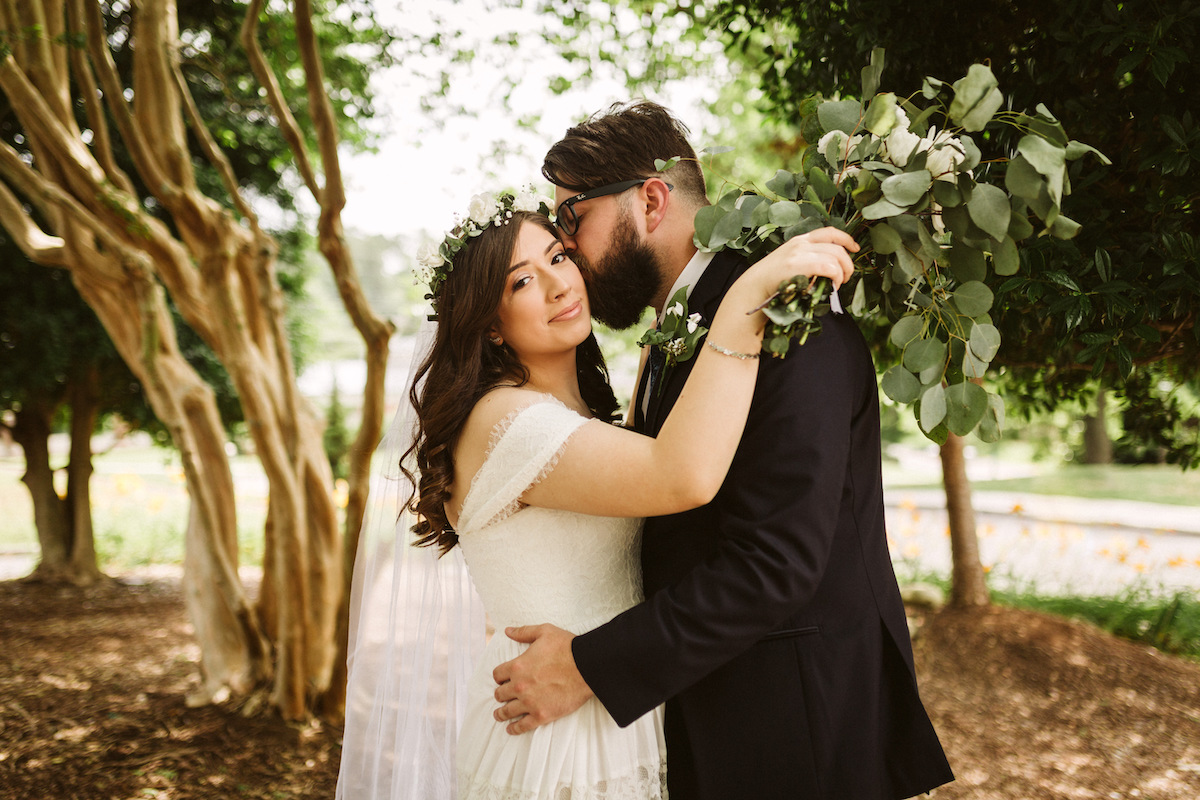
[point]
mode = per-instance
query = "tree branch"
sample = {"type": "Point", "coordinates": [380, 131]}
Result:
{"type": "Point", "coordinates": [37, 245]}
{"type": "Point", "coordinates": [143, 157]}
{"type": "Point", "coordinates": [286, 120]}
{"type": "Point", "coordinates": [214, 153]}
{"type": "Point", "coordinates": [90, 91]}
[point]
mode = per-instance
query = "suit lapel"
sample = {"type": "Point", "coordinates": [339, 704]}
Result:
{"type": "Point", "coordinates": [705, 298]}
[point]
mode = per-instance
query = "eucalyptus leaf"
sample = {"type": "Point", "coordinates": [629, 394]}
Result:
{"type": "Point", "coordinates": [907, 188]}
{"type": "Point", "coordinates": [840, 115]}
{"type": "Point", "coordinates": [784, 184]}
{"type": "Point", "coordinates": [885, 239]}
{"type": "Point", "coordinates": [728, 228]}
{"type": "Point", "coordinates": [909, 263]}
{"type": "Point", "coordinates": [900, 385]}
{"type": "Point", "coordinates": [973, 366]}
{"type": "Point", "coordinates": [973, 298]}
{"type": "Point", "coordinates": [924, 353]}
{"type": "Point", "coordinates": [906, 330]}
{"type": "Point", "coordinates": [872, 72]}
{"type": "Point", "coordinates": [932, 374]}
{"type": "Point", "coordinates": [858, 305]}
{"type": "Point", "coordinates": [933, 407]}
{"type": "Point", "coordinates": [971, 154]}
{"type": "Point", "coordinates": [1079, 149]}
{"type": "Point", "coordinates": [967, 263]}
{"type": "Point", "coordinates": [784, 213]}
{"type": "Point", "coordinates": [1023, 180]}
{"type": "Point", "coordinates": [976, 98]}
{"type": "Point", "coordinates": [1046, 157]}
{"type": "Point", "coordinates": [989, 210]}
{"type": "Point", "coordinates": [1064, 227]}
{"type": "Point", "coordinates": [706, 219]}
{"type": "Point", "coordinates": [966, 404]}
{"type": "Point", "coordinates": [882, 208]}
{"type": "Point", "coordinates": [984, 341]}
{"type": "Point", "coordinates": [1019, 227]}
{"type": "Point", "coordinates": [991, 426]}
{"type": "Point", "coordinates": [881, 116]}
{"type": "Point", "coordinates": [1005, 257]}
{"type": "Point", "coordinates": [947, 194]}
{"type": "Point", "coordinates": [819, 180]}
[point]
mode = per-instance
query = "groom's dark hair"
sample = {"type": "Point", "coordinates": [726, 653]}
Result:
{"type": "Point", "coordinates": [621, 144]}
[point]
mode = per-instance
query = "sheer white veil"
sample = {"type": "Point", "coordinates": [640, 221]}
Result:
{"type": "Point", "coordinates": [416, 630]}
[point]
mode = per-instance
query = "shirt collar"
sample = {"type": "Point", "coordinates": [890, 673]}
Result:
{"type": "Point", "coordinates": [690, 274]}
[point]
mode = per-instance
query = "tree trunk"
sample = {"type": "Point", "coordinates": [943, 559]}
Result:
{"type": "Point", "coordinates": [84, 398]}
{"type": "Point", "coordinates": [1097, 446]}
{"type": "Point", "coordinates": [968, 586]}
{"type": "Point", "coordinates": [219, 268]}
{"type": "Point", "coordinates": [31, 430]}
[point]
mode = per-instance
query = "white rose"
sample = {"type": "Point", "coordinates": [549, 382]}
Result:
{"type": "Point", "coordinates": [901, 143]}
{"type": "Point", "coordinates": [482, 208]}
{"type": "Point", "coordinates": [832, 146]}
{"type": "Point", "coordinates": [429, 257]}
{"type": "Point", "coordinates": [846, 173]}
{"type": "Point", "coordinates": [528, 200]}
{"type": "Point", "coordinates": [945, 153]}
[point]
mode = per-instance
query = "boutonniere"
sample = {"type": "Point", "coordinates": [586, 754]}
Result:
{"type": "Point", "coordinates": [679, 333]}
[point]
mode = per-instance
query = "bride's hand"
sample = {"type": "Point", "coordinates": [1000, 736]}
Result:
{"type": "Point", "coordinates": [824, 252]}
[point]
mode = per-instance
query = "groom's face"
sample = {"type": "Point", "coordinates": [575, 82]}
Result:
{"type": "Point", "coordinates": [620, 269]}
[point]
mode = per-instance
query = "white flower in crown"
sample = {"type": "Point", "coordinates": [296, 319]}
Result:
{"type": "Point", "coordinates": [428, 256]}
{"type": "Point", "coordinates": [482, 208]}
{"type": "Point", "coordinates": [529, 200]}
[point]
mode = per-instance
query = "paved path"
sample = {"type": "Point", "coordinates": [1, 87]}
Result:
{"type": "Point", "coordinates": [1054, 544]}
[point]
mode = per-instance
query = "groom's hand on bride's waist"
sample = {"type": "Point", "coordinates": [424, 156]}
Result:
{"type": "Point", "coordinates": [542, 684]}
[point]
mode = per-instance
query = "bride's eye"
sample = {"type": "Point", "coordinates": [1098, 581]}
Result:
{"type": "Point", "coordinates": [558, 257]}
{"type": "Point", "coordinates": [521, 282]}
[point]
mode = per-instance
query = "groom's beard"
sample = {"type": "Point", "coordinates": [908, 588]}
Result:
{"type": "Point", "coordinates": [623, 281]}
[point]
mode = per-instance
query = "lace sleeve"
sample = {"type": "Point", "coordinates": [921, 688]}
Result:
{"type": "Point", "coordinates": [524, 447]}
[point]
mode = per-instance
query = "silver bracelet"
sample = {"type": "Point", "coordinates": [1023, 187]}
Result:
{"type": "Point", "coordinates": [727, 352]}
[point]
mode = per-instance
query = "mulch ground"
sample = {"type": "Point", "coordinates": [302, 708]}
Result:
{"type": "Point", "coordinates": [93, 688]}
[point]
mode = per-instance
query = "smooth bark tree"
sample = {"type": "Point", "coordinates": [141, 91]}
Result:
{"type": "Point", "coordinates": [67, 202]}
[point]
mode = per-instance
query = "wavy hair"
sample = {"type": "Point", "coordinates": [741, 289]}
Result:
{"type": "Point", "coordinates": [463, 365]}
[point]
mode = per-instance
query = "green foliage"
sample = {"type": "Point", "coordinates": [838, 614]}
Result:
{"type": "Point", "coordinates": [905, 180]}
{"type": "Point", "coordinates": [1121, 294]}
{"type": "Point", "coordinates": [337, 436]}
{"type": "Point", "coordinates": [1170, 624]}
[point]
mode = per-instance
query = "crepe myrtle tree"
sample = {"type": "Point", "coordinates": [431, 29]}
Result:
{"type": "Point", "coordinates": [137, 196]}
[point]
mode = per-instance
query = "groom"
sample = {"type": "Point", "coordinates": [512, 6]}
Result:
{"type": "Point", "coordinates": [772, 627]}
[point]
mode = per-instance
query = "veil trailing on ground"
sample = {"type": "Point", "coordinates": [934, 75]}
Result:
{"type": "Point", "coordinates": [416, 630]}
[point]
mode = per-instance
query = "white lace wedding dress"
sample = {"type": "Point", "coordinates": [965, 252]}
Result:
{"type": "Point", "coordinates": [533, 565]}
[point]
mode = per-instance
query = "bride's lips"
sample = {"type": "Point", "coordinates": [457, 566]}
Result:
{"type": "Point", "coordinates": [570, 312]}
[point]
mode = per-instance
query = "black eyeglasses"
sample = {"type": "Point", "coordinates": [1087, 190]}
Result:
{"type": "Point", "coordinates": [566, 219]}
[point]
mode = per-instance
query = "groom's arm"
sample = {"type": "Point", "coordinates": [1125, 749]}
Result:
{"type": "Point", "coordinates": [779, 513]}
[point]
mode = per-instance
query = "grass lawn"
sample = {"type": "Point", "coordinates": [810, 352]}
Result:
{"type": "Point", "coordinates": [1149, 483]}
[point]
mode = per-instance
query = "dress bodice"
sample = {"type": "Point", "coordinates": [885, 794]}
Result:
{"type": "Point", "coordinates": [533, 565]}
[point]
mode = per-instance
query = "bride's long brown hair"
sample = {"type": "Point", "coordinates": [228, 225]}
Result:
{"type": "Point", "coordinates": [463, 365]}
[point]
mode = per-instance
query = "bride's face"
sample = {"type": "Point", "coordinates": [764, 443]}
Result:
{"type": "Point", "coordinates": [544, 310]}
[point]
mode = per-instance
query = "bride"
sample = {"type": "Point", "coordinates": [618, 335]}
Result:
{"type": "Point", "coordinates": [517, 465]}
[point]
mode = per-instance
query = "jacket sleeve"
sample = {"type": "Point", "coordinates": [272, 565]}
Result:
{"type": "Point", "coordinates": [776, 514]}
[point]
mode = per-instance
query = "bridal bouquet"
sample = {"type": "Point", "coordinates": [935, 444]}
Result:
{"type": "Point", "coordinates": [907, 181]}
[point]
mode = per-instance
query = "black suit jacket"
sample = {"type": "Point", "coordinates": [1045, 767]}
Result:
{"type": "Point", "coordinates": [773, 627]}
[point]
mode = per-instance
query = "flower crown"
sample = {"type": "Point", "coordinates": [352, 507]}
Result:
{"type": "Point", "coordinates": [435, 262]}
